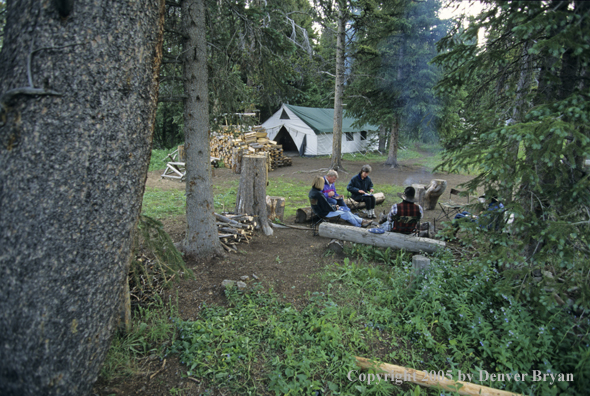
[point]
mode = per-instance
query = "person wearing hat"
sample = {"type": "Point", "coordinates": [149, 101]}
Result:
{"type": "Point", "coordinates": [321, 207]}
{"type": "Point", "coordinates": [406, 210]}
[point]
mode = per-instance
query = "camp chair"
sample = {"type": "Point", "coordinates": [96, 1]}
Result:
{"type": "Point", "coordinates": [316, 220]}
{"type": "Point", "coordinates": [451, 208]}
{"type": "Point", "coordinates": [413, 221]}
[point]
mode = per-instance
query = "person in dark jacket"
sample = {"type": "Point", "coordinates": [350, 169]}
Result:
{"type": "Point", "coordinates": [361, 189]}
{"type": "Point", "coordinates": [321, 207]}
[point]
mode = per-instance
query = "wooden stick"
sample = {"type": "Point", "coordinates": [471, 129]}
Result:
{"type": "Point", "coordinates": [225, 246]}
{"type": "Point", "coordinates": [290, 226]}
{"type": "Point", "coordinates": [423, 378]}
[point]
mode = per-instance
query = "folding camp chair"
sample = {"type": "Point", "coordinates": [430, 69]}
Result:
{"type": "Point", "coordinates": [315, 223]}
{"type": "Point", "coordinates": [451, 208]}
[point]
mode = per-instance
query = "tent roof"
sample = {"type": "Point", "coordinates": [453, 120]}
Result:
{"type": "Point", "coordinates": [322, 120]}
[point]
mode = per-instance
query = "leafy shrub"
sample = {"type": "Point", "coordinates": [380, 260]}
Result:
{"type": "Point", "coordinates": [457, 316]}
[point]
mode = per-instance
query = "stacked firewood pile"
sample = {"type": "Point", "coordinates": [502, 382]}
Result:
{"type": "Point", "coordinates": [231, 145]}
{"type": "Point", "coordinates": [233, 229]}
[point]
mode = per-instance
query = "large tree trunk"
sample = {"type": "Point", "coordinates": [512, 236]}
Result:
{"type": "Point", "coordinates": [201, 233]}
{"type": "Point", "coordinates": [393, 144]}
{"type": "Point", "coordinates": [75, 144]}
{"type": "Point", "coordinates": [338, 92]}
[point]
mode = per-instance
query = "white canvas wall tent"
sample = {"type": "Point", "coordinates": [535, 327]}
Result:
{"type": "Point", "coordinates": [308, 131]}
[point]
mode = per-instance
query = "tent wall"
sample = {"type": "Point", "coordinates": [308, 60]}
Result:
{"type": "Point", "coordinates": [315, 144]}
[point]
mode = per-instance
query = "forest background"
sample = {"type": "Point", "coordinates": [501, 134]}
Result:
{"type": "Point", "coordinates": [511, 108]}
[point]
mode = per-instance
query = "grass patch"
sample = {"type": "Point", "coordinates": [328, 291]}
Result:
{"type": "Point", "coordinates": [160, 204]}
{"type": "Point", "coordinates": [295, 193]}
{"type": "Point", "coordinates": [159, 159]}
{"type": "Point", "coordinates": [151, 328]}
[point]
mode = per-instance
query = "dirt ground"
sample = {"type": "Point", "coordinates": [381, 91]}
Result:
{"type": "Point", "coordinates": [286, 261]}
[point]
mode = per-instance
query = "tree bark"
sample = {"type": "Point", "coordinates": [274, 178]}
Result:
{"type": "Point", "coordinates": [73, 165]}
{"type": "Point", "coordinates": [338, 92]}
{"type": "Point", "coordinates": [388, 239]}
{"type": "Point", "coordinates": [382, 138]}
{"type": "Point", "coordinates": [251, 197]}
{"type": "Point", "coordinates": [393, 144]}
{"type": "Point", "coordinates": [201, 233]}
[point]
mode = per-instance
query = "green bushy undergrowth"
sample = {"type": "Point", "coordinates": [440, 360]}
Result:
{"type": "Point", "coordinates": [454, 317]}
{"type": "Point", "coordinates": [260, 343]}
{"type": "Point", "coordinates": [457, 316]}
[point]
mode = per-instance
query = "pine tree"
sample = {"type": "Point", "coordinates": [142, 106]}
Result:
{"type": "Point", "coordinates": [523, 107]}
{"type": "Point", "coordinates": [393, 81]}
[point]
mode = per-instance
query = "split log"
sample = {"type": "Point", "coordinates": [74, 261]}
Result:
{"type": "Point", "coordinates": [275, 206]}
{"type": "Point", "coordinates": [426, 379]}
{"type": "Point", "coordinates": [251, 197]}
{"type": "Point", "coordinates": [436, 188]}
{"type": "Point", "coordinates": [379, 199]}
{"type": "Point", "coordinates": [388, 239]}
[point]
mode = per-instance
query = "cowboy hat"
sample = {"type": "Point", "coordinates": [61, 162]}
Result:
{"type": "Point", "coordinates": [409, 194]}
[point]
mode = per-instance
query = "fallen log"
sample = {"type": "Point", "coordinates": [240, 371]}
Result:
{"type": "Point", "coordinates": [388, 239]}
{"type": "Point", "coordinates": [379, 199]}
{"type": "Point", "coordinates": [426, 379]}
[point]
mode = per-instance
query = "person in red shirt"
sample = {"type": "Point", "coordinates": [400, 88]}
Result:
{"type": "Point", "coordinates": [405, 217]}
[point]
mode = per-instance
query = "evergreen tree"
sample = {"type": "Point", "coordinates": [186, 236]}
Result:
{"type": "Point", "coordinates": [393, 81]}
{"type": "Point", "coordinates": [523, 109]}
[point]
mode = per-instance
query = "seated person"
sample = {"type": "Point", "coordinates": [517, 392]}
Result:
{"type": "Point", "coordinates": [405, 217]}
{"type": "Point", "coordinates": [330, 193]}
{"type": "Point", "coordinates": [490, 218]}
{"type": "Point", "coordinates": [321, 207]}
{"type": "Point", "coordinates": [361, 189]}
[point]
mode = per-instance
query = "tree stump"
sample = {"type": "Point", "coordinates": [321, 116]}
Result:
{"type": "Point", "coordinates": [420, 192]}
{"type": "Point", "coordinates": [275, 206]}
{"type": "Point", "coordinates": [436, 188]}
{"type": "Point", "coordinates": [251, 197]}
